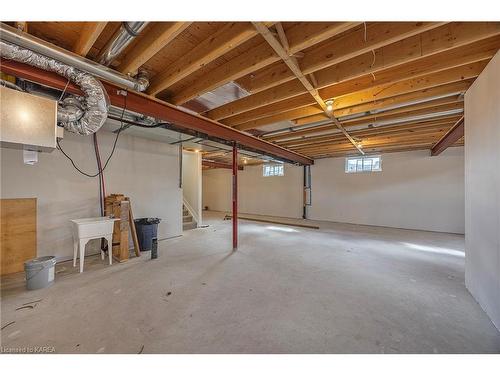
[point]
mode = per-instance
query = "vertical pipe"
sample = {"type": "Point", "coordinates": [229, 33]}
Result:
{"type": "Point", "coordinates": [235, 196]}
{"type": "Point", "coordinates": [180, 165]}
{"type": "Point", "coordinates": [304, 208]}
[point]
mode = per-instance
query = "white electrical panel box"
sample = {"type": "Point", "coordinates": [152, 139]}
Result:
{"type": "Point", "coordinates": [27, 121]}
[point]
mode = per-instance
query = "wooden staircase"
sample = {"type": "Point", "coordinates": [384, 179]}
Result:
{"type": "Point", "coordinates": [188, 221]}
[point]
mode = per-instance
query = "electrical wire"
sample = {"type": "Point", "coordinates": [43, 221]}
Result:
{"type": "Point", "coordinates": [110, 155]}
{"type": "Point", "coordinates": [102, 190]}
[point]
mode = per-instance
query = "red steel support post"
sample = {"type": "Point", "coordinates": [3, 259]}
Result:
{"type": "Point", "coordinates": [235, 196]}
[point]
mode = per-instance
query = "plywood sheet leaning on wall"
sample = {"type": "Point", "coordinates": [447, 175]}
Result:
{"type": "Point", "coordinates": [18, 233]}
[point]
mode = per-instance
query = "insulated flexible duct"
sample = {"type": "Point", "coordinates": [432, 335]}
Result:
{"type": "Point", "coordinates": [83, 116]}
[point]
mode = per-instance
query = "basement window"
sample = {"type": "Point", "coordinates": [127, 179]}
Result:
{"type": "Point", "coordinates": [359, 164]}
{"type": "Point", "coordinates": [269, 170]}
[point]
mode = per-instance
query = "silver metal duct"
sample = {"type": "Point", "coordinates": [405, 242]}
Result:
{"type": "Point", "coordinates": [12, 35]}
{"type": "Point", "coordinates": [120, 40]}
{"type": "Point", "coordinates": [83, 116]}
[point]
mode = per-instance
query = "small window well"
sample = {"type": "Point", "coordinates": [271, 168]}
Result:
{"type": "Point", "coordinates": [269, 170]}
{"type": "Point", "coordinates": [359, 164]}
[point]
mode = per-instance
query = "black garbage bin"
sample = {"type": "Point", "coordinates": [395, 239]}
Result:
{"type": "Point", "coordinates": [147, 231]}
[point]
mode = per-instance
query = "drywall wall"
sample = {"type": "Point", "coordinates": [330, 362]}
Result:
{"type": "Point", "coordinates": [191, 182]}
{"type": "Point", "coordinates": [413, 191]}
{"type": "Point", "coordinates": [482, 189]}
{"type": "Point", "coordinates": [275, 196]}
{"type": "Point", "coordinates": [146, 171]}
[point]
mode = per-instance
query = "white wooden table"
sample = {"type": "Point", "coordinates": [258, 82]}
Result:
{"type": "Point", "coordinates": [88, 229]}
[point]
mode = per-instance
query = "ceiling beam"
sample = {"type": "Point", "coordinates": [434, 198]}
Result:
{"type": "Point", "coordinates": [437, 40]}
{"type": "Point", "coordinates": [216, 164]}
{"type": "Point", "coordinates": [88, 35]}
{"type": "Point", "coordinates": [336, 50]}
{"type": "Point", "coordinates": [304, 36]}
{"type": "Point", "coordinates": [21, 25]}
{"type": "Point", "coordinates": [400, 140]}
{"type": "Point", "coordinates": [451, 102]}
{"type": "Point", "coordinates": [450, 138]}
{"type": "Point", "coordinates": [227, 38]}
{"type": "Point", "coordinates": [283, 52]}
{"type": "Point", "coordinates": [345, 78]}
{"type": "Point", "coordinates": [426, 82]}
{"type": "Point", "coordinates": [421, 95]}
{"type": "Point", "coordinates": [411, 127]}
{"type": "Point", "coordinates": [149, 106]}
{"type": "Point", "coordinates": [322, 128]}
{"type": "Point", "coordinates": [385, 150]}
{"type": "Point", "coordinates": [158, 37]}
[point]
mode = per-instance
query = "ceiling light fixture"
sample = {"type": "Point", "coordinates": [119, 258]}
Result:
{"type": "Point", "coordinates": [329, 105]}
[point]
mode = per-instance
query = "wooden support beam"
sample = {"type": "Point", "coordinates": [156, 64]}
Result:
{"type": "Point", "coordinates": [437, 40]}
{"type": "Point", "coordinates": [327, 127]}
{"type": "Point", "coordinates": [405, 128]}
{"type": "Point", "coordinates": [159, 109]}
{"type": "Point", "coordinates": [410, 57]}
{"type": "Point", "coordinates": [22, 25]}
{"type": "Point", "coordinates": [301, 36]}
{"type": "Point", "coordinates": [216, 164]}
{"type": "Point", "coordinates": [227, 38]}
{"type": "Point", "coordinates": [460, 77]}
{"type": "Point", "coordinates": [453, 135]}
{"type": "Point", "coordinates": [400, 140]}
{"type": "Point", "coordinates": [423, 83]}
{"type": "Point", "coordinates": [159, 36]}
{"type": "Point", "coordinates": [291, 62]}
{"type": "Point", "coordinates": [88, 36]}
{"type": "Point", "coordinates": [421, 95]}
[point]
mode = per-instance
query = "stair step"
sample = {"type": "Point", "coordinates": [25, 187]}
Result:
{"type": "Point", "coordinates": [187, 219]}
{"type": "Point", "coordinates": [188, 226]}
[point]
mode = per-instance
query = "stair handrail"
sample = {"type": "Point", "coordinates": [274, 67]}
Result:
{"type": "Point", "coordinates": [191, 211]}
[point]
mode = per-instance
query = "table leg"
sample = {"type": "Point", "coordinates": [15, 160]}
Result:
{"type": "Point", "coordinates": [109, 239]}
{"type": "Point", "coordinates": [83, 242]}
{"type": "Point", "coordinates": [75, 251]}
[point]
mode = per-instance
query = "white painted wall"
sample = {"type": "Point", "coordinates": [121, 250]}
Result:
{"type": "Point", "coordinates": [146, 171]}
{"type": "Point", "coordinates": [413, 191]}
{"type": "Point", "coordinates": [192, 182]}
{"type": "Point", "coordinates": [275, 196]}
{"type": "Point", "coordinates": [482, 189]}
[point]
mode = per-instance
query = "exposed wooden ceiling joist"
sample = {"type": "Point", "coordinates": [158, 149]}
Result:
{"type": "Point", "coordinates": [378, 92]}
{"type": "Point", "coordinates": [218, 165]}
{"type": "Point", "coordinates": [283, 51]}
{"type": "Point", "coordinates": [387, 75]}
{"type": "Point", "coordinates": [259, 57]}
{"type": "Point", "coordinates": [376, 142]}
{"type": "Point", "coordinates": [437, 40]}
{"type": "Point", "coordinates": [388, 129]}
{"type": "Point", "coordinates": [149, 106]}
{"type": "Point", "coordinates": [226, 39]}
{"type": "Point", "coordinates": [317, 129]}
{"type": "Point", "coordinates": [444, 60]}
{"type": "Point", "coordinates": [159, 36]}
{"type": "Point", "coordinates": [336, 50]}
{"type": "Point", "coordinates": [422, 95]}
{"type": "Point", "coordinates": [88, 36]}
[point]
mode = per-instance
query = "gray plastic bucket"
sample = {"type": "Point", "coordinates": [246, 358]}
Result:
{"type": "Point", "coordinates": [40, 272]}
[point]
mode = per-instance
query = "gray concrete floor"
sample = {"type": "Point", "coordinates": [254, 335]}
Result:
{"type": "Point", "coordinates": [341, 289]}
